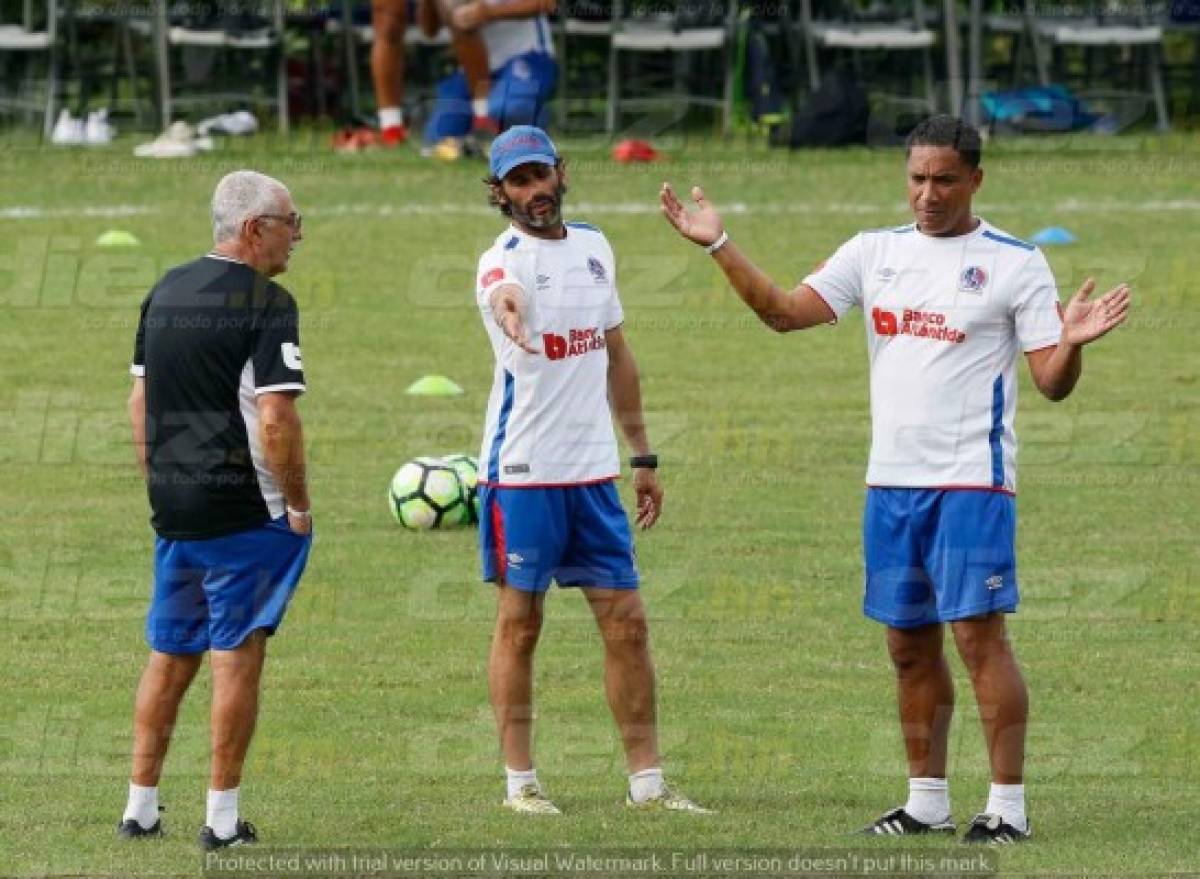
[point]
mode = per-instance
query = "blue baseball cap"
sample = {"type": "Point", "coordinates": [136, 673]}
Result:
{"type": "Point", "coordinates": [521, 144]}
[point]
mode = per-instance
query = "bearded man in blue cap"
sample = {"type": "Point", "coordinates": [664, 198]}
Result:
{"type": "Point", "coordinates": [549, 508]}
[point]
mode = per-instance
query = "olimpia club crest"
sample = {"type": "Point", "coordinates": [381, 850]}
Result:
{"type": "Point", "coordinates": [597, 269]}
{"type": "Point", "coordinates": [973, 279]}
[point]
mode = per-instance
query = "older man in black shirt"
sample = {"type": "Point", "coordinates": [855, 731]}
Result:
{"type": "Point", "coordinates": [217, 368]}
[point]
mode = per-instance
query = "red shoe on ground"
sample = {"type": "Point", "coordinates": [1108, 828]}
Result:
{"type": "Point", "coordinates": [393, 136]}
{"type": "Point", "coordinates": [635, 151]}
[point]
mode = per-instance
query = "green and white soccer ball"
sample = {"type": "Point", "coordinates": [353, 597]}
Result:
{"type": "Point", "coordinates": [467, 468]}
{"type": "Point", "coordinates": [426, 493]}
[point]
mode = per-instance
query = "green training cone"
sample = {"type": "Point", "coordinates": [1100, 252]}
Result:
{"type": "Point", "coordinates": [117, 238]}
{"type": "Point", "coordinates": [434, 386]}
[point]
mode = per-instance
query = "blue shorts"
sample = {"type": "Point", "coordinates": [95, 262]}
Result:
{"type": "Point", "coordinates": [933, 555]}
{"type": "Point", "coordinates": [519, 95]}
{"type": "Point", "coordinates": [214, 593]}
{"type": "Point", "coordinates": [577, 535]}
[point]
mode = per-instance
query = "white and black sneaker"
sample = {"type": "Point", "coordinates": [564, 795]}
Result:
{"type": "Point", "coordinates": [988, 829]}
{"type": "Point", "coordinates": [245, 835]}
{"type": "Point", "coordinates": [131, 829]}
{"type": "Point", "coordinates": [899, 823]}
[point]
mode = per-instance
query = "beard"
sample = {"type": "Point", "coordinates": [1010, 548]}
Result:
{"type": "Point", "coordinates": [550, 215]}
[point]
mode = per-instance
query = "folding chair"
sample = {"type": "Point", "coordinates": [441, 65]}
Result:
{"type": "Point", "coordinates": [681, 36]}
{"type": "Point", "coordinates": [583, 31]}
{"type": "Point", "coordinates": [856, 35]}
{"type": "Point", "coordinates": [99, 51]}
{"type": "Point", "coordinates": [1181, 23]}
{"type": "Point", "coordinates": [27, 40]}
{"type": "Point", "coordinates": [1132, 34]}
{"type": "Point", "coordinates": [260, 36]}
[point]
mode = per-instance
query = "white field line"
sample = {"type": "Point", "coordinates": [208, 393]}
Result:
{"type": "Point", "coordinates": [585, 208]}
{"type": "Point", "coordinates": [34, 212]}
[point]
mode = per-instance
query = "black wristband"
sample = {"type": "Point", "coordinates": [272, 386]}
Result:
{"type": "Point", "coordinates": [650, 462]}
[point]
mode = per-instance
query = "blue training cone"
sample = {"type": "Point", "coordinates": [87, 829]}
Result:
{"type": "Point", "coordinates": [1053, 235]}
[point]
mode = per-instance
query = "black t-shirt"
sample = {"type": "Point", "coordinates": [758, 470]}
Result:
{"type": "Point", "coordinates": [212, 336]}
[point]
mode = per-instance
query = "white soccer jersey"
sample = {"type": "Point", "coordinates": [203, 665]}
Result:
{"type": "Point", "coordinates": [946, 319]}
{"type": "Point", "coordinates": [507, 38]}
{"type": "Point", "coordinates": [548, 421]}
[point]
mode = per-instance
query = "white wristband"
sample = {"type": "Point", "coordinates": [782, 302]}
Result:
{"type": "Point", "coordinates": [303, 514]}
{"type": "Point", "coordinates": [718, 244]}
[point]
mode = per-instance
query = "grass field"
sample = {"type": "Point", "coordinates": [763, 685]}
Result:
{"type": "Point", "coordinates": [776, 697]}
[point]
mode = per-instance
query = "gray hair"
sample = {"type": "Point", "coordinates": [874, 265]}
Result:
{"type": "Point", "coordinates": [241, 195]}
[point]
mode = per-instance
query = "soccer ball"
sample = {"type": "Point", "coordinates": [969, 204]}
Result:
{"type": "Point", "coordinates": [426, 493]}
{"type": "Point", "coordinates": [467, 469]}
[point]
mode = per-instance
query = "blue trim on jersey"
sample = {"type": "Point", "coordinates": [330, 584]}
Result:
{"type": "Point", "coordinates": [996, 431]}
{"type": "Point", "coordinates": [587, 226]}
{"type": "Point", "coordinates": [1004, 239]}
{"type": "Point", "coordinates": [512, 243]}
{"type": "Point", "coordinates": [911, 227]}
{"type": "Point", "coordinates": [501, 428]}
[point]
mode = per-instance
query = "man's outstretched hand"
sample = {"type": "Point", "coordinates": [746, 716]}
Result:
{"type": "Point", "coordinates": [1086, 320]}
{"type": "Point", "coordinates": [701, 226]}
{"type": "Point", "coordinates": [507, 312]}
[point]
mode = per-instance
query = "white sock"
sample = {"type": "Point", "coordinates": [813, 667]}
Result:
{"type": "Point", "coordinates": [479, 106]}
{"type": "Point", "coordinates": [142, 805]}
{"type": "Point", "coordinates": [928, 800]}
{"type": "Point", "coordinates": [647, 784]}
{"type": "Point", "coordinates": [518, 778]}
{"type": "Point", "coordinates": [390, 117]}
{"type": "Point", "coordinates": [223, 812]}
{"type": "Point", "coordinates": [1008, 801]}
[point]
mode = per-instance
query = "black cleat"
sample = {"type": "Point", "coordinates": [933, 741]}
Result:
{"type": "Point", "coordinates": [245, 835]}
{"type": "Point", "coordinates": [899, 823]}
{"type": "Point", "coordinates": [988, 829]}
{"type": "Point", "coordinates": [130, 829]}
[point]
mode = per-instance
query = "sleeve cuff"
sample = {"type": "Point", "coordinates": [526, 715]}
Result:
{"type": "Point", "coordinates": [1041, 346]}
{"type": "Point", "coordinates": [298, 387]}
{"type": "Point", "coordinates": [837, 316]}
{"type": "Point", "coordinates": [137, 370]}
{"type": "Point", "coordinates": [485, 294]}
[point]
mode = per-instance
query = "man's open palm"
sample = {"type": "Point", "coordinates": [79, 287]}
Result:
{"type": "Point", "coordinates": [702, 226]}
{"type": "Point", "coordinates": [1085, 320]}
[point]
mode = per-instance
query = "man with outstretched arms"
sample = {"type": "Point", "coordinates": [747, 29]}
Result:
{"type": "Point", "coordinates": [951, 302]}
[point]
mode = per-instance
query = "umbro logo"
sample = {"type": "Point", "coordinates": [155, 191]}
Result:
{"type": "Point", "coordinates": [543, 282]}
{"type": "Point", "coordinates": [885, 274]}
{"type": "Point", "coordinates": [515, 559]}
{"type": "Point", "coordinates": [996, 581]}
